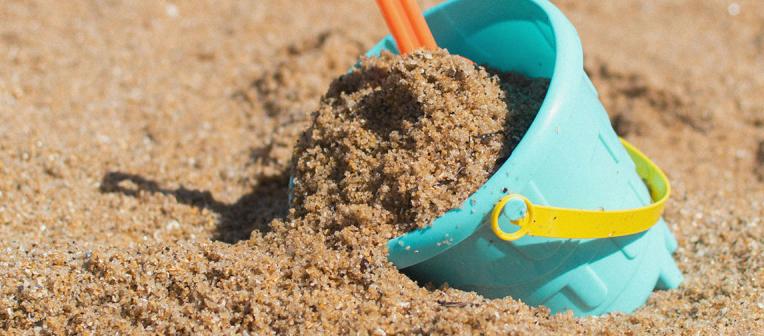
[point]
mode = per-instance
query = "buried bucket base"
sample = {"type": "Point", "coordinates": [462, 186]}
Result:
{"type": "Point", "coordinates": [590, 288]}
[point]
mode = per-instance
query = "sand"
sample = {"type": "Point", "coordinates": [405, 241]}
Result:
{"type": "Point", "coordinates": [401, 140]}
{"type": "Point", "coordinates": [145, 148]}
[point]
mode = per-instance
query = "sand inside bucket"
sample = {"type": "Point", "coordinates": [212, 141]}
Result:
{"type": "Point", "coordinates": [401, 140]}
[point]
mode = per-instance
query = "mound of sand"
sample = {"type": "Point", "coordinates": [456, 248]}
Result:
{"type": "Point", "coordinates": [401, 140]}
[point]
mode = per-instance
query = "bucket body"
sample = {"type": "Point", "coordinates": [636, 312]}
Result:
{"type": "Point", "coordinates": [570, 157]}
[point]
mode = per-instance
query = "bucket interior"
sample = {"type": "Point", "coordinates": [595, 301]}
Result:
{"type": "Point", "coordinates": [504, 35]}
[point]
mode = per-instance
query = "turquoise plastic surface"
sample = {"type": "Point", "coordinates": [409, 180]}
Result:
{"type": "Point", "coordinates": [570, 157]}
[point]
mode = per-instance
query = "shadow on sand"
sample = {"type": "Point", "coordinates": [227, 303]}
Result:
{"type": "Point", "coordinates": [253, 211]}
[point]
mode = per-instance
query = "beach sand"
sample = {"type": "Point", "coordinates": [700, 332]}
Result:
{"type": "Point", "coordinates": [145, 151]}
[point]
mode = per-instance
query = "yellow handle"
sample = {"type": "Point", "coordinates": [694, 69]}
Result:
{"type": "Point", "coordinates": [553, 222]}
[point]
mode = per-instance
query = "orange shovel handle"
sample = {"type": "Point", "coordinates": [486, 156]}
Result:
{"type": "Point", "coordinates": [407, 25]}
{"type": "Point", "coordinates": [398, 25]}
{"type": "Point", "coordinates": [421, 29]}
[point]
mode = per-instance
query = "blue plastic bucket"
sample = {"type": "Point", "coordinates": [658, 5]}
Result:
{"type": "Point", "coordinates": [570, 157]}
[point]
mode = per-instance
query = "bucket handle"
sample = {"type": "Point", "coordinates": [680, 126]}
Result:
{"type": "Point", "coordinates": [552, 222]}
